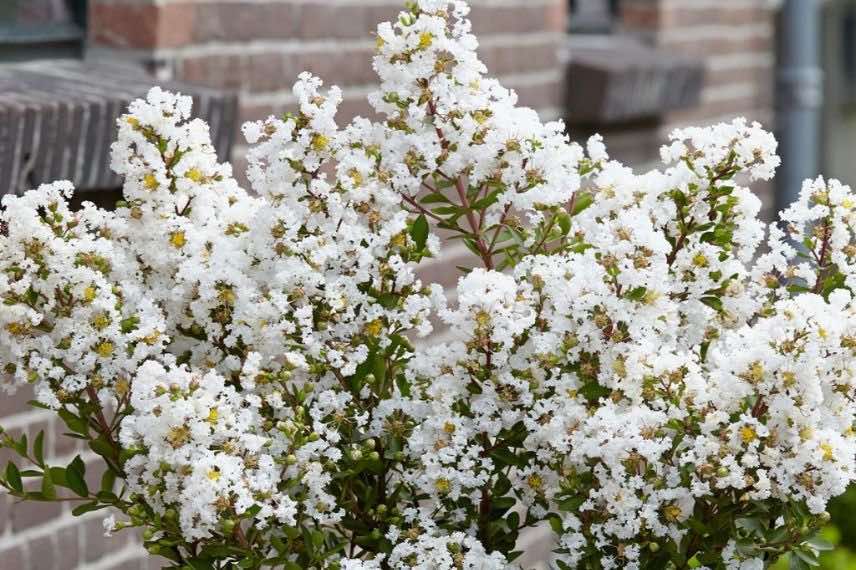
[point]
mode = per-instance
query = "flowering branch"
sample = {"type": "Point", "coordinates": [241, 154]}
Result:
{"type": "Point", "coordinates": [625, 366]}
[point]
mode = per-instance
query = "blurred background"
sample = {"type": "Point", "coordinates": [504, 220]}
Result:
{"type": "Point", "coordinates": [630, 69]}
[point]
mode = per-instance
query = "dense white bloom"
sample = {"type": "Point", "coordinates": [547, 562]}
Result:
{"type": "Point", "coordinates": [201, 449]}
{"type": "Point", "coordinates": [625, 366]}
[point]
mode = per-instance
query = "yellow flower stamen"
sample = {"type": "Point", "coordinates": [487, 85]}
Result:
{"type": "Point", "coordinates": [150, 181]}
{"type": "Point", "coordinates": [105, 349]}
{"type": "Point", "coordinates": [195, 175]}
{"type": "Point", "coordinates": [748, 434]}
{"type": "Point", "coordinates": [177, 239]}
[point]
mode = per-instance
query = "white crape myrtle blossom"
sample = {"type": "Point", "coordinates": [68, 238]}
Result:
{"type": "Point", "coordinates": [202, 450]}
{"type": "Point", "coordinates": [73, 317]}
{"type": "Point", "coordinates": [424, 547]}
{"type": "Point", "coordinates": [624, 364]}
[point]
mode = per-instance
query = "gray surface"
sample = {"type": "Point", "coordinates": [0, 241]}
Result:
{"type": "Point", "coordinates": [58, 119]}
{"type": "Point", "coordinates": [612, 79]}
{"type": "Point", "coordinates": [799, 97]}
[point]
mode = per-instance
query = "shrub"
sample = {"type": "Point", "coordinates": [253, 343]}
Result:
{"type": "Point", "coordinates": [623, 364]}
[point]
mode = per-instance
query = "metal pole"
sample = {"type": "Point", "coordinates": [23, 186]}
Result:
{"type": "Point", "coordinates": [799, 96]}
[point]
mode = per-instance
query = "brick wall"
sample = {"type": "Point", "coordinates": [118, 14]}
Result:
{"type": "Point", "coordinates": [45, 536]}
{"type": "Point", "coordinates": [734, 38]}
{"type": "Point", "coordinates": [259, 47]}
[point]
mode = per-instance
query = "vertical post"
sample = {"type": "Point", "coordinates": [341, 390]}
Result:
{"type": "Point", "coordinates": [799, 95]}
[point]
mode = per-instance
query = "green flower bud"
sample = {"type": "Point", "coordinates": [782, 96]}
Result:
{"type": "Point", "coordinates": [228, 526]}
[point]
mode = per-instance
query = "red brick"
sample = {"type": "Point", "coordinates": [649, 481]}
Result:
{"type": "Point", "coordinates": [224, 71]}
{"type": "Point", "coordinates": [243, 21]}
{"type": "Point", "coordinates": [176, 25]}
{"type": "Point", "coordinates": [749, 74]}
{"type": "Point", "coordinates": [277, 71]}
{"type": "Point", "coordinates": [640, 15]}
{"type": "Point", "coordinates": [5, 508]}
{"type": "Point", "coordinates": [350, 67]}
{"type": "Point", "coordinates": [327, 20]}
{"type": "Point", "coordinates": [355, 106]}
{"type": "Point", "coordinates": [521, 19]}
{"type": "Point", "coordinates": [43, 552]}
{"type": "Point", "coordinates": [68, 544]}
{"type": "Point", "coordinates": [539, 95]}
{"type": "Point", "coordinates": [235, 21]}
{"type": "Point", "coordinates": [139, 563]}
{"type": "Point", "coordinates": [33, 513]}
{"type": "Point", "coordinates": [95, 544]}
{"type": "Point", "coordinates": [141, 25]}
{"type": "Point", "coordinates": [32, 431]}
{"type": "Point", "coordinates": [673, 16]}
{"type": "Point", "coordinates": [556, 17]}
{"type": "Point", "coordinates": [12, 557]}
{"type": "Point", "coordinates": [507, 59]}
{"type": "Point", "coordinates": [744, 106]}
{"type": "Point", "coordinates": [704, 47]}
{"type": "Point", "coordinates": [63, 445]}
{"type": "Point", "coordinates": [15, 403]}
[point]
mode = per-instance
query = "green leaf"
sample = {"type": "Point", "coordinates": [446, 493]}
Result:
{"type": "Point", "coordinates": [403, 385]}
{"type": "Point", "coordinates": [564, 222]}
{"type": "Point", "coordinates": [39, 449]}
{"type": "Point", "coordinates": [556, 524]}
{"type": "Point", "coordinates": [571, 504]}
{"type": "Point", "coordinates": [505, 457]}
{"type": "Point", "coordinates": [75, 475]}
{"type": "Point", "coordinates": [820, 544]}
{"type": "Point", "coordinates": [487, 201]}
{"type": "Point", "coordinates": [581, 201]}
{"type": "Point", "coordinates": [48, 488]}
{"type": "Point", "coordinates": [434, 198]}
{"type": "Point", "coordinates": [777, 535]}
{"type": "Point", "coordinates": [513, 520]}
{"type": "Point", "coordinates": [86, 508]}
{"type": "Point", "coordinates": [102, 447]}
{"type": "Point", "coordinates": [74, 423]}
{"type": "Point", "coordinates": [419, 231]}
{"type": "Point", "coordinates": [21, 446]}
{"type": "Point", "coordinates": [13, 477]}
{"type": "Point", "coordinates": [108, 480]}
{"type": "Point", "coordinates": [714, 303]}
{"type": "Point", "coordinates": [130, 324]}
{"type": "Point", "coordinates": [58, 476]}
{"type": "Point", "coordinates": [637, 294]}
{"type": "Point", "coordinates": [751, 524]}
{"type": "Point", "coordinates": [809, 558]}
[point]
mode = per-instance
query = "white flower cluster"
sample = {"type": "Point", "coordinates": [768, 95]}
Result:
{"type": "Point", "coordinates": [640, 377]}
{"type": "Point", "coordinates": [201, 450]}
